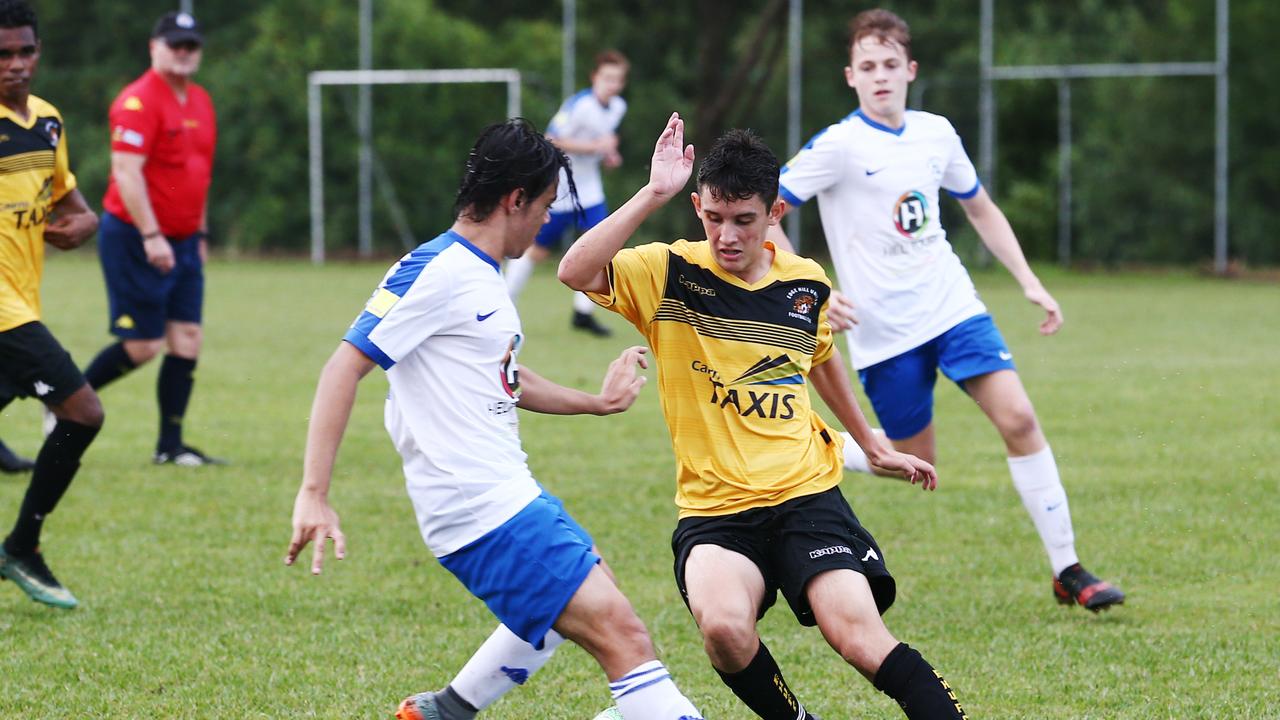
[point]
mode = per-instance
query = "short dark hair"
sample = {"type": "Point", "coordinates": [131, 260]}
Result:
{"type": "Point", "coordinates": [18, 14]}
{"type": "Point", "coordinates": [739, 166]}
{"type": "Point", "coordinates": [881, 24]}
{"type": "Point", "coordinates": [508, 156]}
{"type": "Point", "coordinates": [610, 57]}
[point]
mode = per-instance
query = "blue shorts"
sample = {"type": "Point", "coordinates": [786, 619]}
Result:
{"type": "Point", "coordinates": [552, 230]}
{"type": "Point", "coordinates": [527, 569]}
{"type": "Point", "coordinates": [901, 388]}
{"type": "Point", "coordinates": [141, 299]}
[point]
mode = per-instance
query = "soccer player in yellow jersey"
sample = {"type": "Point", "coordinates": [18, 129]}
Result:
{"type": "Point", "coordinates": [739, 329]}
{"type": "Point", "coordinates": [39, 203]}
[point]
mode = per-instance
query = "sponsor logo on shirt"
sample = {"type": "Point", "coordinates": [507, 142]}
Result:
{"type": "Point", "coordinates": [753, 393]}
{"type": "Point", "coordinates": [129, 137]}
{"type": "Point", "coordinates": [911, 214]}
{"type": "Point", "coordinates": [696, 288]}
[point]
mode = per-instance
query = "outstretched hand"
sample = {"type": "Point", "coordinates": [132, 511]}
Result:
{"type": "Point", "coordinates": [314, 520]}
{"type": "Point", "coordinates": [908, 467]}
{"type": "Point", "coordinates": [622, 383]}
{"type": "Point", "coordinates": [1053, 313]}
{"type": "Point", "coordinates": [672, 159]}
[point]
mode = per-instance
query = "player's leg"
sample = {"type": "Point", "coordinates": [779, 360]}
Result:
{"type": "Point", "coordinates": [135, 299]}
{"type": "Point", "coordinates": [846, 613]}
{"type": "Point", "coordinates": [34, 359]}
{"type": "Point", "coordinates": [184, 337]}
{"type": "Point", "coordinates": [901, 393]}
{"type": "Point", "coordinates": [975, 355]}
{"type": "Point", "coordinates": [727, 593]}
{"type": "Point", "coordinates": [583, 309]}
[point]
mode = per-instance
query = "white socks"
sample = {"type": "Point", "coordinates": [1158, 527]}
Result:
{"type": "Point", "coordinates": [582, 303]}
{"type": "Point", "coordinates": [1036, 479]}
{"type": "Point", "coordinates": [648, 693]}
{"type": "Point", "coordinates": [500, 664]}
{"type": "Point", "coordinates": [517, 272]}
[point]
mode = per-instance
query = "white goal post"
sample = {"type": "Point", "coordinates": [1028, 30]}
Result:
{"type": "Point", "coordinates": [317, 80]}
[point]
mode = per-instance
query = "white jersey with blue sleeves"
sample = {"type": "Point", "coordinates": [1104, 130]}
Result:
{"type": "Point", "coordinates": [583, 117]}
{"type": "Point", "coordinates": [877, 190]}
{"type": "Point", "coordinates": [443, 327]}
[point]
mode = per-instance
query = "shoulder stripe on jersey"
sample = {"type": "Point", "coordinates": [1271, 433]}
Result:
{"type": "Point", "coordinates": [968, 193]}
{"type": "Point", "coordinates": [789, 196]}
{"type": "Point", "coordinates": [670, 310]}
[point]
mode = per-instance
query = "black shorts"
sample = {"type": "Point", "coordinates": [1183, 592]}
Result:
{"type": "Point", "coordinates": [791, 543]}
{"type": "Point", "coordinates": [33, 364]}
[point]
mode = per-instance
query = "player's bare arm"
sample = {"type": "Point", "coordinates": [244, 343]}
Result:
{"type": "Point", "coordinates": [74, 222]}
{"type": "Point", "coordinates": [314, 520]}
{"type": "Point", "coordinates": [840, 309]}
{"type": "Point", "coordinates": [126, 170]}
{"type": "Point", "coordinates": [832, 384]}
{"type": "Point", "coordinates": [618, 391]}
{"type": "Point", "coordinates": [602, 146]}
{"type": "Point", "coordinates": [584, 266]}
{"type": "Point", "coordinates": [997, 234]}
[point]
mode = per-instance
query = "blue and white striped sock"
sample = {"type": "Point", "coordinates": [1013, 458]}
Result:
{"type": "Point", "coordinates": [648, 693]}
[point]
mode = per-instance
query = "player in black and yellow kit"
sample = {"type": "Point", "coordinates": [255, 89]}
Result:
{"type": "Point", "coordinates": [739, 330]}
{"type": "Point", "coordinates": [39, 203]}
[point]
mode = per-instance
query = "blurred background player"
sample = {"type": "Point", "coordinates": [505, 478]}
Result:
{"type": "Point", "coordinates": [153, 237]}
{"type": "Point", "coordinates": [740, 332]}
{"type": "Point", "coordinates": [42, 205]}
{"type": "Point", "coordinates": [10, 461]}
{"type": "Point", "coordinates": [586, 128]}
{"type": "Point", "coordinates": [444, 329]}
{"type": "Point", "coordinates": [876, 175]}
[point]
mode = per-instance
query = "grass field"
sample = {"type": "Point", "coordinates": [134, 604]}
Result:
{"type": "Point", "coordinates": [1161, 399]}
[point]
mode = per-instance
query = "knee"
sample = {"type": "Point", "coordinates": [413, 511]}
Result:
{"type": "Point", "coordinates": [187, 341]}
{"type": "Point", "coordinates": [87, 411]}
{"type": "Point", "coordinates": [141, 351]}
{"type": "Point", "coordinates": [1020, 424]}
{"type": "Point", "coordinates": [730, 640]}
{"type": "Point", "coordinates": [865, 651]}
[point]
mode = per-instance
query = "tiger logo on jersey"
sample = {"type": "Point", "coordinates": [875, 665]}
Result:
{"type": "Point", "coordinates": [911, 214]}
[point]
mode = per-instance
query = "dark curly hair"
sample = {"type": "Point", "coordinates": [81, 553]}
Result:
{"type": "Point", "coordinates": [739, 166]}
{"type": "Point", "coordinates": [18, 14]}
{"type": "Point", "coordinates": [509, 156]}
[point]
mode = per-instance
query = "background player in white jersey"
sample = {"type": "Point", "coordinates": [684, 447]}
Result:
{"type": "Point", "coordinates": [876, 175]}
{"type": "Point", "coordinates": [586, 128]}
{"type": "Point", "coordinates": [444, 329]}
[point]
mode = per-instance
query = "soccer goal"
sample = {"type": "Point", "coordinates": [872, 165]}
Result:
{"type": "Point", "coordinates": [316, 81]}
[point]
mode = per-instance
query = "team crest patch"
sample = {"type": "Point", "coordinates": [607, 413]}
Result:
{"type": "Point", "coordinates": [803, 301]}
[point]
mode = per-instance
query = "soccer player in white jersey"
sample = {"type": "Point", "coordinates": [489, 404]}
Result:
{"type": "Point", "coordinates": [914, 310]}
{"type": "Point", "coordinates": [445, 331]}
{"type": "Point", "coordinates": [586, 128]}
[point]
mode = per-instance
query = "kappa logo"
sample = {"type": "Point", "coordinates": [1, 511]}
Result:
{"type": "Point", "coordinates": [42, 388]}
{"type": "Point", "coordinates": [696, 288]}
{"type": "Point", "coordinates": [833, 550]}
{"type": "Point", "coordinates": [871, 554]}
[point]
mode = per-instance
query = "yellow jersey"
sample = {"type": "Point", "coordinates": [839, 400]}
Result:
{"type": "Point", "coordinates": [733, 365]}
{"type": "Point", "coordinates": [34, 175]}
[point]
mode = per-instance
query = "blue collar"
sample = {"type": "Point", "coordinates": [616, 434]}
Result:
{"type": "Point", "coordinates": [479, 253]}
{"type": "Point", "coordinates": [880, 126]}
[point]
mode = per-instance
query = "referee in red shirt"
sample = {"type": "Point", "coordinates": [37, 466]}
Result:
{"type": "Point", "coordinates": [152, 238]}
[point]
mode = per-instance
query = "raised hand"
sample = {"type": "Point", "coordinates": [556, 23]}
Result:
{"type": "Point", "coordinates": [672, 159]}
{"type": "Point", "coordinates": [622, 384]}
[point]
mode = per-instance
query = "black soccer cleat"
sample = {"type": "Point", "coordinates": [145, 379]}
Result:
{"type": "Point", "coordinates": [186, 456]}
{"type": "Point", "coordinates": [587, 323]}
{"type": "Point", "coordinates": [1077, 585]}
{"type": "Point", "coordinates": [11, 462]}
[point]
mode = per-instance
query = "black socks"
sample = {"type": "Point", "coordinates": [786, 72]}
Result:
{"type": "Point", "coordinates": [908, 678]}
{"type": "Point", "coordinates": [173, 390]}
{"type": "Point", "coordinates": [110, 364]}
{"type": "Point", "coordinates": [760, 685]}
{"type": "Point", "coordinates": [56, 465]}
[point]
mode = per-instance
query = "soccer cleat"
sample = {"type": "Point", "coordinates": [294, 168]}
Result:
{"type": "Point", "coordinates": [587, 323]}
{"type": "Point", "coordinates": [186, 456]}
{"type": "Point", "coordinates": [35, 579]}
{"type": "Point", "coordinates": [11, 462]}
{"type": "Point", "coordinates": [419, 707]}
{"type": "Point", "coordinates": [1077, 585]}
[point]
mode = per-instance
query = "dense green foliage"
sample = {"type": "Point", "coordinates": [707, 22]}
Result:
{"type": "Point", "coordinates": [1144, 149]}
{"type": "Point", "coordinates": [1166, 443]}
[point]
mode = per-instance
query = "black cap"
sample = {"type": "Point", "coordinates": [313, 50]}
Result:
{"type": "Point", "coordinates": [175, 27]}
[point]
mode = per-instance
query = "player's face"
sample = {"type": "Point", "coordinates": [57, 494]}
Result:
{"type": "Point", "coordinates": [528, 219]}
{"type": "Point", "coordinates": [608, 80]}
{"type": "Point", "coordinates": [736, 231]}
{"type": "Point", "coordinates": [880, 73]}
{"type": "Point", "coordinates": [19, 55]}
{"type": "Point", "coordinates": [180, 59]}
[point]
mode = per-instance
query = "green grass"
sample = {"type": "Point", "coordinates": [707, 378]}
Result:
{"type": "Point", "coordinates": [1161, 399]}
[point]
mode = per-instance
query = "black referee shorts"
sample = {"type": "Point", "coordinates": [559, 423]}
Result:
{"type": "Point", "coordinates": [791, 543]}
{"type": "Point", "coordinates": [34, 364]}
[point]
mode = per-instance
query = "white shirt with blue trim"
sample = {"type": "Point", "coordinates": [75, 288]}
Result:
{"type": "Point", "coordinates": [445, 330]}
{"type": "Point", "coordinates": [583, 117]}
{"type": "Point", "coordinates": [877, 190]}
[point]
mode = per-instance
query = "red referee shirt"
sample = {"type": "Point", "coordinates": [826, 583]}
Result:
{"type": "Point", "coordinates": [177, 140]}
